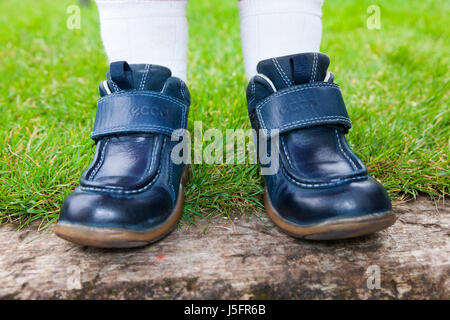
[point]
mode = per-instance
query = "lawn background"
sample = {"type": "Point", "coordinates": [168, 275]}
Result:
{"type": "Point", "coordinates": [395, 83]}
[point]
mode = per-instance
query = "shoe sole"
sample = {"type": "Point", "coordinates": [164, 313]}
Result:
{"type": "Point", "coordinates": [122, 238]}
{"type": "Point", "coordinates": [332, 229]}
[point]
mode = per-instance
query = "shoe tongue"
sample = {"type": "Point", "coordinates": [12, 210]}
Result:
{"type": "Point", "coordinates": [143, 77]}
{"type": "Point", "coordinates": [295, 69]}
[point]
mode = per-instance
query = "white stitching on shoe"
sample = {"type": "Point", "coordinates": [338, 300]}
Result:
{"type": "Point", "coordinates": [286, 152]}
{"type": "Point", "coordinates": [312, 121]}
{"type": "Point", "coordinates": [131, 129]}
{"type": "Point", "coordinates": [144, 77]}
{"type": "Point", "coordinates": [253, 91]}
{"type": "Point", "coordinates": [283, 75]}
{"type": "Point", "coordinates": [100, 162]}
{"type": "Point", "coordinates": [183, 91]}
{"type": "Point", "coordinates": [109, 190]}
{"type": "Point", "coordinates": [314, 68]}
{"type": "Point", "coordinates": [326, 184]}
{"type": "Point", "coordinates": [343, 152]}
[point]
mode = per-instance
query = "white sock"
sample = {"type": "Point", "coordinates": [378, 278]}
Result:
{"type": "Point", "coordinates": [145, 31]}
{"type": "Point", "coordinates": [273, 28]}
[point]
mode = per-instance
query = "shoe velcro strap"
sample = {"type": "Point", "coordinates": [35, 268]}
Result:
{"type": "Point", "coordinates": [303, 106]}
{"type": "Point", "coordinates": [138, 112]}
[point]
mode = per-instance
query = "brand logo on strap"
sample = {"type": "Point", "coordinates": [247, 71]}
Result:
{"type": "Point", "coordinates": [148, 111]}
{"type": "Point", "coordinates": [298, 105]}
{"type": "Point", "coordinates": [307, 101]}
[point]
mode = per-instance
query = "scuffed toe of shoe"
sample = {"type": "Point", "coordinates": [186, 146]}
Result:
{"type": "Point", "coordinates": [135, 213]}
{"type": "Point", "coordinates": [309, 206]}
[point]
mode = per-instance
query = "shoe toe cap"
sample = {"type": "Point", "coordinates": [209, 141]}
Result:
{"type": "Point", "coordinates": [135, 212]}
{"type": "Point", "coordinates": [308, 206]}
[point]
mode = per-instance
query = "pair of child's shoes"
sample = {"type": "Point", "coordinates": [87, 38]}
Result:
{"type": "Point", "coordinates": [132, 193]}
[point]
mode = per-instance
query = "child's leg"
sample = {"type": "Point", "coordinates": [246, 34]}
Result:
{"type": "Point", "coordinates": [145, 31]}
{"type": "Point", "coordinates": [315, 186]}
{"type": "Point", "coordinates": [273, 28]}
{"type": "Point", "coordinates": [132, 193]}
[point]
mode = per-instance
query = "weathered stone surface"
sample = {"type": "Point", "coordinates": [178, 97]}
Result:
{"type": "Point", "coordinates": [245, 259]}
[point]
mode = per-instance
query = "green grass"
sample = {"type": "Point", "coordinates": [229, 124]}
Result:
{"type": "Point", "coordinates": [395, 82]}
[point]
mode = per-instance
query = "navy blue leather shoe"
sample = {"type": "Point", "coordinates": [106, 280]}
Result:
{"type": "Point", "coordinates": [321, 189]}
{"type": "Point", "coordinates": [132, 193]}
